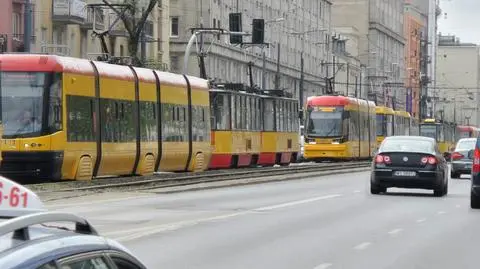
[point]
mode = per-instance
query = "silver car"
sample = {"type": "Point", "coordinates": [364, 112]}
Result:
{"type": "Point", "coordinates": [462, 158]}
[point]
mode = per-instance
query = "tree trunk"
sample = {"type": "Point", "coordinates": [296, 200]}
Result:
{"type": "Point", "coordinates": [133, 51]}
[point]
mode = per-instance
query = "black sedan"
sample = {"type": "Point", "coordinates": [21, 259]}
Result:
{"type": "Point", "coordinates": [412, 162]}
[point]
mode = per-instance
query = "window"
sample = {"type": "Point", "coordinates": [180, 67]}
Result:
{"type": "Point", "coordinates": [174, 26]}
{"type": "Point", "coordinates": [80, 125]}
{"type": "Point", "coordinates": [50, 265]}
{"type": "Point", "coordinates": [148, 121]}
{"type": "Point", "coordinates": [122, 263]}
{"type": "Point", "coordinates": [86, 263]}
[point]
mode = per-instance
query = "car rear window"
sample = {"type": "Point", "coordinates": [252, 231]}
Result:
{"type": "Point", "coordinates": [466, 144]}
{"type": "Point", "coordinates": [407, 145]}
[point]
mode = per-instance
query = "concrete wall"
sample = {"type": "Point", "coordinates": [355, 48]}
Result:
{"type": "Point", "coordinates": [457, 74]}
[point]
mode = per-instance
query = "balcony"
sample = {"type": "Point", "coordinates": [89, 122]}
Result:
{"type": "Point", "coordinates": [69, 11]}
{"type": "Point", "coordinates": [94, 15]}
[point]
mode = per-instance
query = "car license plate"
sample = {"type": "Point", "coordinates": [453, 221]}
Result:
{"type": "Point", "coordinates": [405, 173]}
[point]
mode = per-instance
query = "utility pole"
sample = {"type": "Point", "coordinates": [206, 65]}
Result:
{"type": "Point", "coordinates": [264, 70]}
{"type": "Point", "coordinates": [143, 43]}
{"type": "Point", "coordinates": [27, 31]}
{"type": "Point", "coordinates": [348, 77]}
{"type": "Point", "coordinates": [277, 74]}
{"type": "Point", "coordinates": [300, 95]}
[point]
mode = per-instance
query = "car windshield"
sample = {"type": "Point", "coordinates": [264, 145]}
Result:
{"type": "Point", "coordinates": [466, 144]}
{"type": "Point", "coordinates": [407, 145]}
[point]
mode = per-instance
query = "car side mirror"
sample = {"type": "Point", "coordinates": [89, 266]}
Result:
{"type": "Point", "coordinates": [447, 156]}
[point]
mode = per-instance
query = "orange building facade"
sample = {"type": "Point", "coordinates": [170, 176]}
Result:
{"type": "Point", "coordinates": [413, 27]}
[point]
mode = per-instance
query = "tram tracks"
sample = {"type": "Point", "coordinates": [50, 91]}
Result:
{"type": "Point", "coordinates": [169, 180]}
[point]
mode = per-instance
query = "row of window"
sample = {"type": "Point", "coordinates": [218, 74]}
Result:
{"type": "Point", "coordinates": [118, 121]}
{"type": "Point", "coordinates": [361, 126]}
{"type": "Point", "coordinates": [253, 113]}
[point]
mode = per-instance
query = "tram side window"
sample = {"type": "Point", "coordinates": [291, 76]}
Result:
{"type": "Point", "coordinates": [268, 115]}
{"type": "Point", "coordinates": [55, 104]}
{"type": "Point", "coordinates": [199, 124]}
{"type": "Point", "coordinates": [173, 126]}
{"type": "Point", "coordinates": [109, 118]}
{"type": "Point", "coordinates": [253, 114]}
{"type": "Point", "coordinates": [233, 111]}
{"type": "Point", "coordinates": [221, 112]}
{"type": "Point", "coordinates": [148, 121]}
{"type": "Point", "coordinates": [80, 125]}
{"type": "Point", "coordinates": [259, 114]}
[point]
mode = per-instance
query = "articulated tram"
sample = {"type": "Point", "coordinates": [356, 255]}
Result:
{"type": "Point", "coordinates": [466, 131]}
{"type": "Point", "coordinates": [339, 128]}
{"type": "Point", "coordinates": [385, 121]}
{"type": "Point", "coordinates": [443, 132]}
{"type": "Point", "coordinates": [70, 118]}
{"type": "Point", "coordinates": [401, 122]}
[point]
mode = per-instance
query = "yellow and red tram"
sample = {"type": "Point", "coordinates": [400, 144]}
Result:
{"type": "Point", "coordinates": [252, 128]}
{"type": "Point", "coordinates": [339, 128]}
{"type": "Point", "coordinates": [464, 131]}
{"type": "Point", "coordinates": [70, 118]}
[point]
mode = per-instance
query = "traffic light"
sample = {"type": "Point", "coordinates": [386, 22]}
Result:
{"type": "Point", "coordinates": [258, 31]}
{"type": "Point", "coordinates": [235, 25]}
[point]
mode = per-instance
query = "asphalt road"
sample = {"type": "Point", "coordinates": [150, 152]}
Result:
{"type": "Point", "coordinates": [326, 222]}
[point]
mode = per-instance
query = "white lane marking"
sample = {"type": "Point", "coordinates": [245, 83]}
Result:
{"type": "Point", "coordinates": [362, 246]}
{"type": "Point", "coordinates": [323, 266]}
{"type": "Point", "coordinates": [458, 206]}
{"type": "Point", "coordinates": [56, 205]}
{"type": "Point", "coordinates": [294, 203]}
{"type": "Point", "coordinates": [356, 191]}
{"type": "Point", "coordinates": [421, 220]}
{"type": "Point", "coordinates": [139, 232]}
{"type": "Point", "coordinates": [396, 231]}
{"type": "Point", "coordinates": [441, 212]}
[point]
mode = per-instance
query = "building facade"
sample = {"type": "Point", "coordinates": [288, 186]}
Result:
{"type": "Point", "coordinates": [292, 28]}
{"type": "Point", "coordinates": [458, 81]}
{"type": "Point", "coordinates": [349, 72]}
{"type": "Point", "coordinates": [414, 26]}
{"type": "Point", "coordinates": [381, 45]}
{"type": "Point", "coordinates": [12, 25]}
{"type": "Point", "coordinates": [65, 27]}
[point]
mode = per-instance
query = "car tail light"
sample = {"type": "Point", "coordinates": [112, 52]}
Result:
{"type": "Point", "coordinates": [429, 160]}
{"type": "Point", "coordinates": [476, 161]}
{"type": "Point", "coordinates": [382, 159]}
{"type": "Point", "coordinates": [457, 156]}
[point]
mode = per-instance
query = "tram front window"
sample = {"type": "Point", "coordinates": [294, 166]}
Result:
{"type": "Point", "coordinates": [428, 131]}
{"type": "Point", "coordinates": [26, 96]}
{"type": "Point", "coordinates": [325, 124]}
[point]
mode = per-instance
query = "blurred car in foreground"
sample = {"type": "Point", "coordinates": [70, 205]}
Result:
{"type": "Point", "coordinates": [33, 238]}
{"type": "Point", "coordinates": [412, 162]}
{"type": "Point", "coordinates": [462, 157]}
{"type": "Point", "coordinates": [475, 187]}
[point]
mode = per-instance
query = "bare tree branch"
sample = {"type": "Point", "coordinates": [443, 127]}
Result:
{"type": "Point", "coordinates": [143, 19]}
{"type": "Point", "coordinates": [121, 14]}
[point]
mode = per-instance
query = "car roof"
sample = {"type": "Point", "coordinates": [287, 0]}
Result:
{"type": "Point", "coordinates": [410, 137]}
{"type": "Point", "coordinates": [467, 139]}
{"type": "Point", "coordinates": [26, 241]}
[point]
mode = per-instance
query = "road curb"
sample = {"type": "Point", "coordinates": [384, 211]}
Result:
{"type": "Point", "coordinates": [250, 181]}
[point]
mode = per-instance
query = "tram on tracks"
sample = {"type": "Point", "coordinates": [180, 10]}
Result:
{"type": "Point", "coordinates": [252, 127]}
{"type": "Point", "coordinates": [384, 120]}
{"type": "Point", "coordinates": [76, 119]}
{"type": "Point", "coordinates": [402, 121]}
{"type": "Point", "coordinates": [339, 128]}
{"type": "Point", "coordinates": [464, 131]}
{"type": "Point", "coordinates": [442, 131]}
